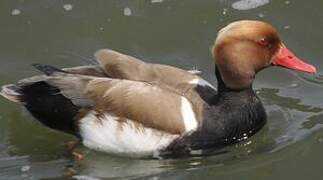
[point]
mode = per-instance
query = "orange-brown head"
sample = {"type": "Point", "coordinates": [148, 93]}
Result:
{"type": "Point", "coordinates": [245, 47]}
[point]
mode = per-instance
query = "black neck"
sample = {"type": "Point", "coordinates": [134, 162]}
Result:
{"type": "Point", "coordinates": [222, 88]}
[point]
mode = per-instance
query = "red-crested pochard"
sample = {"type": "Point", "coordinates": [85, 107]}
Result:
{"type": "Point", "coordinates": [128, 107]}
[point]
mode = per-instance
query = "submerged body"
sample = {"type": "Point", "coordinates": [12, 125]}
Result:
{"type": "Point", "coordinates": [128, 107]}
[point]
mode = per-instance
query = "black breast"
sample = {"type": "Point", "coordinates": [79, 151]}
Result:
{"type": "Point", "coordinates": [229, 117]}
{"type": "Point", "coordinates": [232, 118]}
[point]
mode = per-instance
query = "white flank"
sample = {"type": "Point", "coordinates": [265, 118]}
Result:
{"type": "Point", "coordinates": [201, 82]}
{"type": "Point", "coordinates": [127, 138]}
{"type": "Point", "coordinates": [189, 119]}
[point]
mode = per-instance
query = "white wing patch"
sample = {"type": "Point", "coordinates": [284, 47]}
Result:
{"type": "Point", "coordinates": [189, 119]}
{"type": "Point", "coordinates": [126, 137]}
{"type": "Point", "coordinates": [201, 82]}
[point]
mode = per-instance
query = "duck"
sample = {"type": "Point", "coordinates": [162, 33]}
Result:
{"type": "Point", "coordinates": [125, 106]}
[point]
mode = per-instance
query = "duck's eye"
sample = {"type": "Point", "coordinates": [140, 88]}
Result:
{"type": "Point", "coordinates": [264, 42]}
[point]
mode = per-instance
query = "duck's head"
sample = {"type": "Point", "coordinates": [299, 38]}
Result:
{"type": "Point", "coordinates": [243, 48]}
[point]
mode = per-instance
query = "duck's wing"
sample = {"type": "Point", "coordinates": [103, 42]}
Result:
{"type": "Point", "coordinates": [89, 70]}
{"type": "Point", "coordinates": [140, 102]}
{"type": "Point", "coordinates": [121, 66]}
{"type": "Point", "coordinates": [198, 91]}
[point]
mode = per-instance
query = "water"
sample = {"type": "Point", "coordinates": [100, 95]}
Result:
{"type": "Point", "coordinates": [179, 33]}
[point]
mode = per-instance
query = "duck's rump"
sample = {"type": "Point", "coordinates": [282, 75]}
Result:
{"type": "Point", "coordinates": [45, 103]}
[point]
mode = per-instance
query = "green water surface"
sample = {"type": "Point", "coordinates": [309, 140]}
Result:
{"type": "Point", "coordinates": [175, 32]}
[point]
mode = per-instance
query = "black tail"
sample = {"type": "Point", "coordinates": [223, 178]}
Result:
{"type": "Point", "coordinates": [50, 107]}
{"type": "Point", "coordinates": [44, 102]}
